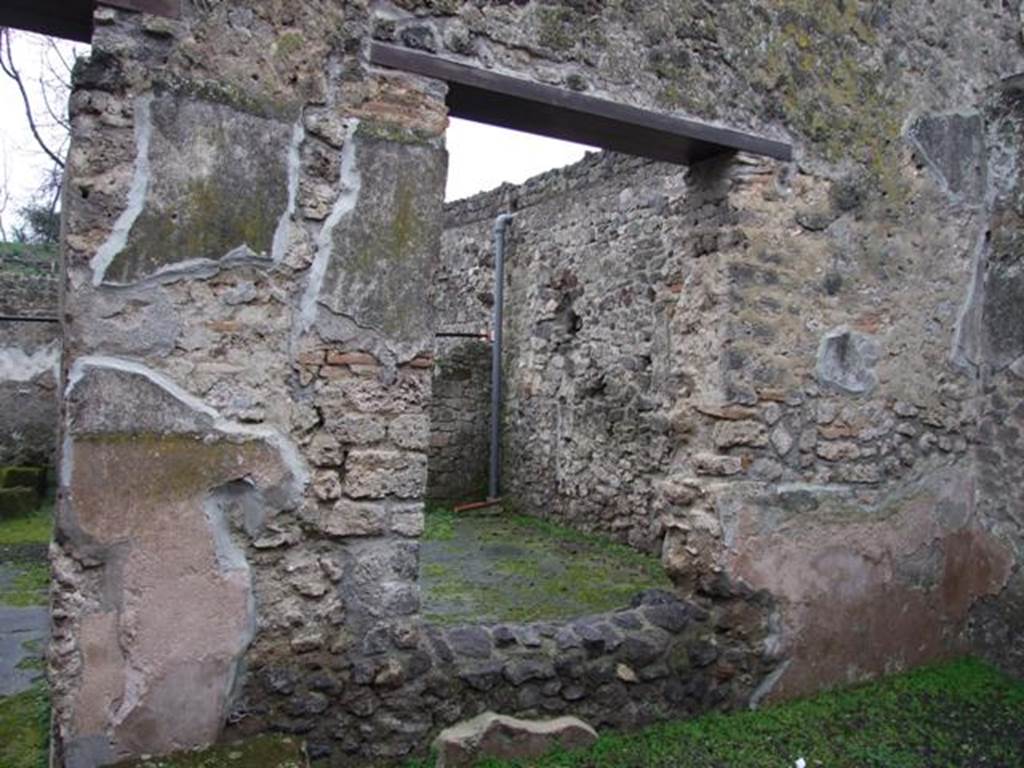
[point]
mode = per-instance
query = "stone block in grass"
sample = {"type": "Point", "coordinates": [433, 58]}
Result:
{"type": "Point", "coordinates": [23, 477]}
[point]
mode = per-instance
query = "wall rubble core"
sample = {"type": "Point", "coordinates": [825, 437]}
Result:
{"type": "Point", "coordinates": [797, 382]}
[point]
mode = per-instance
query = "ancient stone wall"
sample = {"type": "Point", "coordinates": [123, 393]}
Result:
{"type": "Point", "coordinates": [993, 348]}
{"type": "Point", "coordinates": [29, 360]}
{"type": "Point", "coordinates": [460, 414]}
{"type": "Point", "coordinates": [245, 430]}
{"type": "Point", "coordinates": [252, 223]}
{"type": "Point", "coordinates": [598, 253]}
{"type": "Point", "coordinates": [820, 447]}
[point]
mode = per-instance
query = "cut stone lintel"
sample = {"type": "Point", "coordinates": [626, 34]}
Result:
{"type": "Point", "coordinates": [489, 97]}
{"type": "Point", "coordinates": [72, 19]}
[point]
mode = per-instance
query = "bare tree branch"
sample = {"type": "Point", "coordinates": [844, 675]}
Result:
{"type": "Point", "coordinates": [5, 191]}
{"type": "Point", "coordinates": [53, 48]}
{"type": "Point", "coordinates": [9, 69]}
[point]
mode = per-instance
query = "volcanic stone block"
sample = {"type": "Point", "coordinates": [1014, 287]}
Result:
{"type": "Point", "coordinates": [508, 738]}
{"type": "Point", "coordinates": [954, 148]}
{"type": "Point", "coordinates": [846, 360]}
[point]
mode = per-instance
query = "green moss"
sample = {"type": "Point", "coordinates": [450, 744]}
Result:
{"type": "Point", "coordinates": [288, 44]}
{"type": "Point", "coordinates": [376, 129]}
{"type": "Point", "coordinates": [832, 92]}
{"type": "Point", "coordinates": [36, 528]}
{"type": "Point", "coordinates": [266, 751]}
{"type": "Point", "coordinates": [517, 568]}
{"type": "Point", "coordinates": [17, 502]}
{"type": "Point", "coordinates": [29, 586]}
{"type": "Point", "coordinates": [23, 477]}
{"type": "Point", "coordinates": [229, 95]}
{"type": "Point", "coordinates": [440, 523]}
{"type": "Point", "coordinates": [963, 713]}
{"type": "Point", "coordinates": [24, 729]}
{"type": "Point", "coordinates": [181, 465]}
{"type": "Point", "coordinates": [34, 661]}
{"type": "Point", "coordinates": [557, 27]}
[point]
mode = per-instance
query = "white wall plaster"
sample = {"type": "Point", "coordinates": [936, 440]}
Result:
{"type": "Point", "coordinates": [290, 455]}
{"type": "Point", "coordinates": [16, 365]}
{"type": "Point", "coordinates": [284, 224]}
{"type": "Point", "coordinates": [351, 183]}
{"type": "Point", "coordinates": [114, 244]}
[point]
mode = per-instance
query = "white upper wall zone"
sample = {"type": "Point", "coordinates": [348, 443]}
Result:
{"type": "Point", "coordinates": [482, 157]}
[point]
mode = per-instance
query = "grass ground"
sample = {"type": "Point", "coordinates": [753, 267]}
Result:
{"type": "Point", "coordinates": [505, 567]}
{"type": "Point", "coordinates": [32, 530]}
{"type": "Point", "coordinates": [956, 715]}
{"type": "Point", "coordinates": [24, 729]}
{"type": "Point", "coordinates": [962, 714]}
{"type": "Point", "coordinates": [25, 717]}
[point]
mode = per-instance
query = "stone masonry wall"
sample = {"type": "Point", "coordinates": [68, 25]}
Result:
{"type": "Point", "coordinates": [597, 253]}
{"type": "Point", "coordinates": [823, 447]}
{"type": "Point", "coordinates": [993, 345]}
{"type": "Point", "coordinates": [460, 421]}
{"type": "Point", "coordinates": [252, 223]}
{"type": "Point", "coordinates": [29, 362]}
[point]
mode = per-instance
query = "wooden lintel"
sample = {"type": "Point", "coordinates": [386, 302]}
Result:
{"type": "Point", "coordinates": [169, 8]}
{"type": "Point", "coordinates": [511, 102]}
{"type": "Point", "coordinates": [72, 19]}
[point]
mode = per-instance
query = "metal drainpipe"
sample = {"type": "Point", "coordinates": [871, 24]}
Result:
{"type": "Point", "coordinates": [500, 225]}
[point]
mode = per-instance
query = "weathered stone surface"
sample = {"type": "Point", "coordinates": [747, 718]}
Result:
{"type": "Point", "coordinates": [460, 409]}
{"type": "Point", "coordinates": [383, 253]}
{"type": "Point", "coordinates": [953, 146]}
{"type": "Point", "coordinates": [29, 367]}
{"type": "Point", "coordinates": [507, 738]}
{"type": "Point", "coordinates": [734, 433]}
{"type": "Point", "coordinates": [211, 184]}
{"type": "Point", "coordinates": [352, 518]}
{"type": "Point", "coordinates": [184, 555]}
{"type": "Point", "coordinates": [846, 360]}
{"type": "Point", "coordinates": [637, 291]}
{"type": "Point", "coordinates": [375, 474]}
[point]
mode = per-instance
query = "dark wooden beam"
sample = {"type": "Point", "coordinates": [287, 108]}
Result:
{"type": "Point", "coordinates": [72, 19]}
{"type": "Point", "coordinates": [488, 97]}
{"type": "Point", "coordinates": [169, 8]}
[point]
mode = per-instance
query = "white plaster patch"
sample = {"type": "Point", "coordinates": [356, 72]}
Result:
{"type": "Point", "coordinates": [19, 366]}
{"type": "Point", "coordinates": [351, 183]}
{"type": "Point", "coordinates": [768, 684]}
{"type": "Point", "coordinates": [114, 244]}
{"type": "Point", "coordinates": [297, 468]}
{"type": "Point", "coordinates": [284, 224]}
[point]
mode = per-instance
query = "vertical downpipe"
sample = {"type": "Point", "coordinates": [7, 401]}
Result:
{"type": "Point", "coordinates": [500, 226]}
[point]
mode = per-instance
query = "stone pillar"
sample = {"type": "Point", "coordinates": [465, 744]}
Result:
{"type": "Point", "coordinates": [250, 233]}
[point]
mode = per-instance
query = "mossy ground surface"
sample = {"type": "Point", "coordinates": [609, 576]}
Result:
{"type": "Point", "coordinates": [33, 530]}
{"type": "Point", "coordinates": [24, 579]}
{"type": "Point", "coordinates": [267, 751]}
{"type": "Point", "coordinates": [24, 571]}
{"type": "Point", "coordinates": [501, 567]}
{"type": "Point", "coordinates": [24, 724]}
{"type": "Point", "coordinates": [956, 715]}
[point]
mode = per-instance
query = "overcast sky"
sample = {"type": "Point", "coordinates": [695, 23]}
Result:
{"type": "Point", "coordinates": [22, 163]}
{"type": "Point", "coordinates": [481, 157]}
